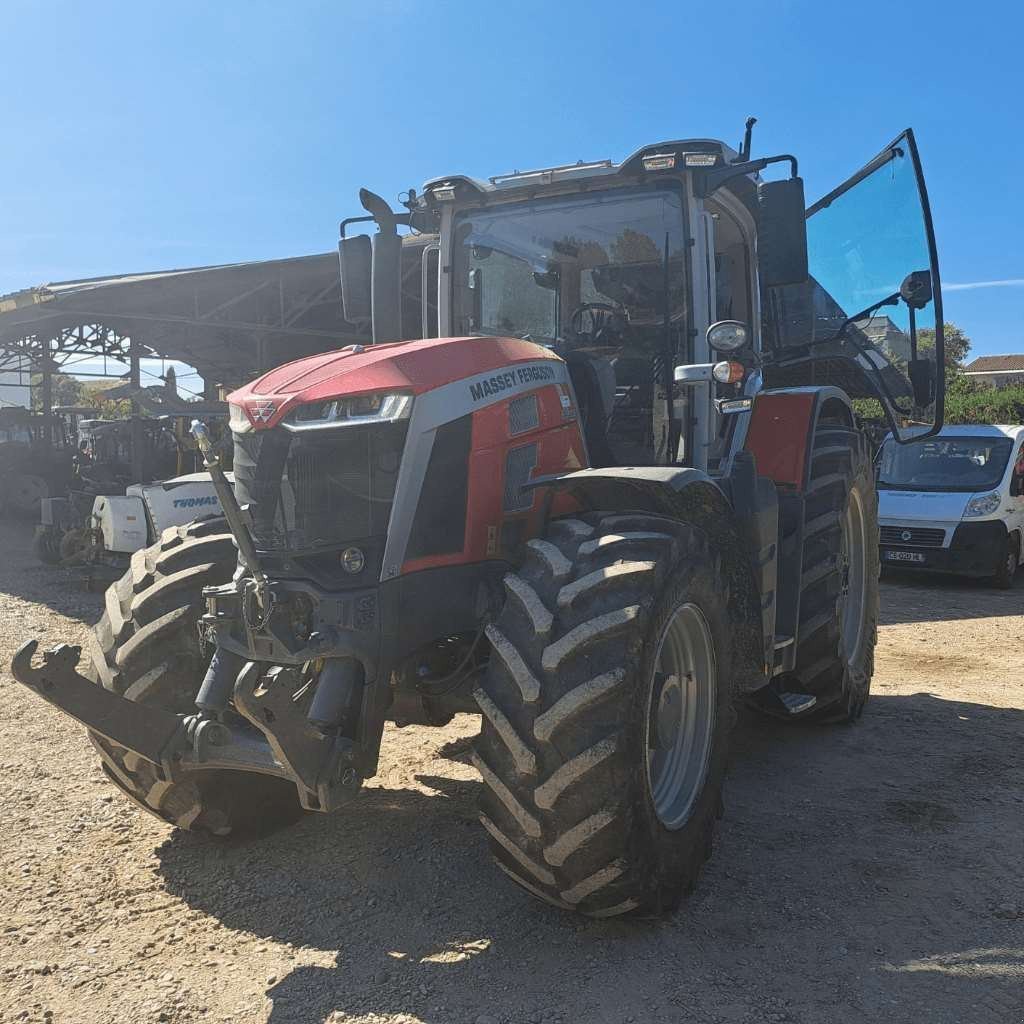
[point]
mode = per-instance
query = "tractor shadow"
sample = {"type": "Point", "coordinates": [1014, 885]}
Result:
{"type": "Point", "coordinates": [859, 874]}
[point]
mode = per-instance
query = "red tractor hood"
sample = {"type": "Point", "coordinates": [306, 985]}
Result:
{"type": "Point", "coordinates": [410, 367]}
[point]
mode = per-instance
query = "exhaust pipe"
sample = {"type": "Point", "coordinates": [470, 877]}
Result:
{"type": "Point", "coordinates": [386, 274]}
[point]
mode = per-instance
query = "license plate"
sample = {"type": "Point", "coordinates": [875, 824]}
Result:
{"type": "Point", "coordinates": [903, 556]}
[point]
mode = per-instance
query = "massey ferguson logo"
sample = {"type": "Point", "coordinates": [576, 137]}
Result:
{"type": "Point", "coordinates": [262, 412]}
{"type": "Point", "coordinates": [510, 379]}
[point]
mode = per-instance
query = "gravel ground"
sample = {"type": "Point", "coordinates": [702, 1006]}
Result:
{"type": "Point", "coordinates": [860, 874]}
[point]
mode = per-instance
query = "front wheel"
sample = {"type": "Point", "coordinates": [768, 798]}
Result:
{"type": "Point", "coordinates": [146, 648]}
{"type": "Point", "coordinates": [1007, 571]}
{"type": "Point", "coordinates": [606, 708]}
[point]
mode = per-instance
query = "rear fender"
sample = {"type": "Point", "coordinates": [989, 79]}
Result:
{"type": "Point", "coordinates": [780, 436]}
{"type": "Point", "coordinates": [781, 430]}
{"type": "Point", "coordinates": [690, 496]}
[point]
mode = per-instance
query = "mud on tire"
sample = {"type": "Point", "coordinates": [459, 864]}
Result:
{"type": "Point", "coordinates": [146, 648]}
{"type": "Point", "coordinates": [563, 749]}
{"type": "Point", "coordinates": [833, 663]}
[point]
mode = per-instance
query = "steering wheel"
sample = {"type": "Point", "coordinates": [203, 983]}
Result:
{"type": "Point", "coordinates": [604, 317]}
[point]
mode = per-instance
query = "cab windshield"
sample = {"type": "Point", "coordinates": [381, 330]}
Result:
{"type": "Point", "coordinates": [526, 267]}
{"type": "Point", "coordinates": [600, 277]}
{"type": "Point", "coordinates": [965, 464]}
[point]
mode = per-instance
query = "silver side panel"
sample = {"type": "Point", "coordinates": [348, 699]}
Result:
{"type": "Point", "coordinates": [441, 406]}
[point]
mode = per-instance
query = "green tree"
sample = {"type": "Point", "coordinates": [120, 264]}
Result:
{"type": "Point", "coordinates": [955, 343]}
{"type": "Point", "coordinates": [66, 390]}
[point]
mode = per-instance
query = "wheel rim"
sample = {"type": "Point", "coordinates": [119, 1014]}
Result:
{"type": "Point", "coordinates": [853, 574]}
{"type": "Point", "coordinates": [681, 715]}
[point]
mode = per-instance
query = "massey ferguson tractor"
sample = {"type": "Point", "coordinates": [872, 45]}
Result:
{"type": "Point", "coordinates": [597, 477]}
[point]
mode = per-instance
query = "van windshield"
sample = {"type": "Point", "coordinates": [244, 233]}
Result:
{"type": "Point", "coordinates": [961, 463]}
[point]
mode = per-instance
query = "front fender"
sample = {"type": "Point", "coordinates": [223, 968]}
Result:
{"type": "Point", "coordinates": [690, 496]}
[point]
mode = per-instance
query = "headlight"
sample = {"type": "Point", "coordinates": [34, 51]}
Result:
{"type": "Point", "coordinates": [727, 335]}
{"type": "Point", "coordinates": [982, 505]}
{"type": "Point", "coordinates": [238, 419]}
{"type": "Point", "coordinates": [350, 411]}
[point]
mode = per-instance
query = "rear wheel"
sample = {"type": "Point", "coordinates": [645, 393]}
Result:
{"type": "Point", "coordinates": [46, 545]}
{"type": "Point", "coordinates": [606, 713]}
{"type": "Point", "coordinates": [146, 648]}
{"type": "Point", "coordinates": [839, 584]}
{"type": "Point", "coordinates": [1007, 571]}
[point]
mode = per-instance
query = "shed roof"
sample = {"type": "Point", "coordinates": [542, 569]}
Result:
{"type": "Point", "coordinates": [227, 321]}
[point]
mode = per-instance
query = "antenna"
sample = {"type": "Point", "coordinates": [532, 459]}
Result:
{"type": "Point", "coordinates": [748, 129]}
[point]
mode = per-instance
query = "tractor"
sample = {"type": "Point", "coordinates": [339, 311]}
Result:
{"type": "Point", "coordinates": [597, 476]}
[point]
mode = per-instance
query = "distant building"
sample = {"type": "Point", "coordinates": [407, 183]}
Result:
{"type": "Point", "coordinates": [885, 335]}
{"type": "Point", "coordinates": [997, 371]}
{"type": "Point", "coordinates": [15, 378]}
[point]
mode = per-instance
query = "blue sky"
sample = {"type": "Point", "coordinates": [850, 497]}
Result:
{"type": "Point", "coordinates": [142, 136]}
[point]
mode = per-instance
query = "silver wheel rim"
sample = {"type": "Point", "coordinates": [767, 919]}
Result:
{"type": "Point", "coordinates": [681, 715]}
{"type": "Point", "coordinates": [853, 575]}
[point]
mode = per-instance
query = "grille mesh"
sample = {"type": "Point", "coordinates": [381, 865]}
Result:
{"type": "Point", "coordinates": [519, 464]}
{"type": "Point", "coordinates": [919, 536]}
{"type": "Point", "coordinates": [523, 414]}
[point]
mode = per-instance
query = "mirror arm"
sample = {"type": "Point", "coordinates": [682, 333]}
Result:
{"type": "Point", "coordinates": [351, 220]}
{"type": "Point", "coordinates": [400, 218]}
{"type": "Point", "coordinates": [714, 179]}
{"type": "Point", "coordinates": [889, 300]}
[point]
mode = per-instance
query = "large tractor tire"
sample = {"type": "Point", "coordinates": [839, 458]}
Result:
{"type": "Point", "coordinates": [607, 707]}
{"type": "Point", "coordinates": [839, 584]}
{"type": "Point", "coordinates": [46, 545]}
{"type": "Point", "coordinates": [146, 647]}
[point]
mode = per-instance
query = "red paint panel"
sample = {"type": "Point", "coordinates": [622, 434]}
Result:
{"type": "Point", "coordinates": [559, 450]}
{"type": "Point", "coordinates": [409, 366]}
{"type": "Point", "coordinates": [780, 426]}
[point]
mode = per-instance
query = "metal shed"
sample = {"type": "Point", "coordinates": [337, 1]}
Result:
{"type": "Point", "coordinates": [229, 322]}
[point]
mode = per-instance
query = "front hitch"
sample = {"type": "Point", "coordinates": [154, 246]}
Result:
{"type": "Point", "coordinates": [319, 764]}
{"type": "Point", "coordinates": [156, 735]}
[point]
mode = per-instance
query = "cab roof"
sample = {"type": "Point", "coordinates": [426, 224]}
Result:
{"type": "Point", "coordinates": [585, 169]}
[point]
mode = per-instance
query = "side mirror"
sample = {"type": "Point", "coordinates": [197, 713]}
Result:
{"type": "Point", "coordinates": [922, 380]}
{"type": "Point", "coordinates": [782, 232]}
{"type": "Point", "coordinates": [355, 254]}
{"type": "Point", "coordinates": [916, 289]}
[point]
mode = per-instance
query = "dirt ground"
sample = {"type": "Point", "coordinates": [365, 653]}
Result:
{"type": "Point", "coordinates": [871, 873]}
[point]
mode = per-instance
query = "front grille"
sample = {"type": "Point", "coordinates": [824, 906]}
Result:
{"type": "Point", "coordinates": [314, 489]}
{"type": "Point", "coordinates": [915, 536]}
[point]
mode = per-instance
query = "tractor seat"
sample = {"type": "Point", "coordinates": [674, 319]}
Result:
{"type": "Point", "coordinates": [585, 374]}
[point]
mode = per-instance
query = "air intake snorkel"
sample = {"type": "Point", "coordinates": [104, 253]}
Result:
{"type": "Point", "coordinates": [229, 503]}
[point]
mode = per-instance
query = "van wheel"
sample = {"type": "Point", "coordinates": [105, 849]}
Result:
{"type": "Point", "coordinates": [1007, 571]}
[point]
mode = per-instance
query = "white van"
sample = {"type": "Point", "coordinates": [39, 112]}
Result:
{"type": "Point", "coordinates": [954, 503]}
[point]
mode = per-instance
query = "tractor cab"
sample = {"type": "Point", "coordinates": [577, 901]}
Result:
{"type": "Point", "coordinates": [631, 271]}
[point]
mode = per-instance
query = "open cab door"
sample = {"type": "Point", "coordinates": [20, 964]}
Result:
{"type": "Point", "coordinates": [869, 318]}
